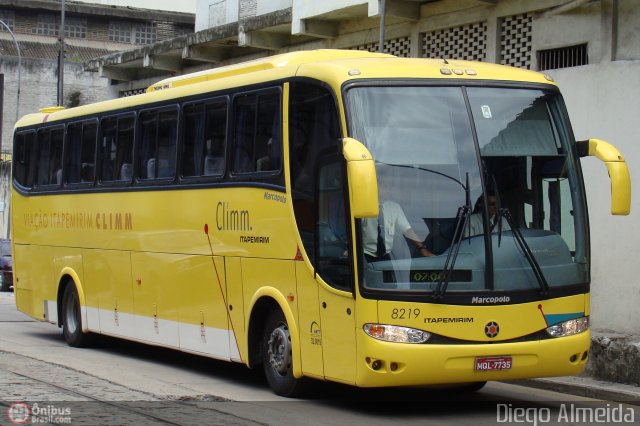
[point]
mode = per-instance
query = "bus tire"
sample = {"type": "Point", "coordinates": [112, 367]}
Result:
{"type": "Point", "coordinates": [72, 318]}
{"type": "Point", "coordinates": [277, 357]}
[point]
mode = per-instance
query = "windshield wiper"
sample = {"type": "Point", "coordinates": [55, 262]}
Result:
{"type": "Point", "coordinates": [452, 254]}
{"type": "Point", "coordinates": [528, 254]}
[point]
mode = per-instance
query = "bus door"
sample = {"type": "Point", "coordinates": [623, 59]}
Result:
{"type": "Point", "coordinates": [333, 271]}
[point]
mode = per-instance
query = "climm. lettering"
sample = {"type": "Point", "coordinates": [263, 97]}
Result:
{"type": "Point", "coordinates": [230, 219]}
{"type": "Point", "coordinates": [117, 221]}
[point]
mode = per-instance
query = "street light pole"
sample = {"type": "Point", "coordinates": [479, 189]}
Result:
{"type": "Point", "coordinates": [19, 67]}
{"type": "Point", "coordinates": [61, 59]}
{"type": "Point", "coordinates": [382, 12]}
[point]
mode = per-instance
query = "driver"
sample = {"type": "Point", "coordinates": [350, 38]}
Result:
{"type": "Point", "coordinates": [378, 233]}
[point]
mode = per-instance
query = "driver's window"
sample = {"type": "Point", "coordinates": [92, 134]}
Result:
{"type": "Point", "coordinates": [332, 228]}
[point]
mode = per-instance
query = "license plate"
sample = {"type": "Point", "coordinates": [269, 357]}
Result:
{"type": "Point", "coordinates": [493, 363]}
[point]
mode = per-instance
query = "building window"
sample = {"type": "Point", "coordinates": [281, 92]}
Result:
{"type": "Point", "coordinates": [120, 32]}
{"type": "Point", "coordinates": [47, 25]}
{"type": "Point", "coordinates": [563, 57]}
{"type": "Point", "coordinates": [145, 33]}
{"type": "Point", "coordinates": [75, 27]}
{"type": "Point", "coordinates": [8, 17]}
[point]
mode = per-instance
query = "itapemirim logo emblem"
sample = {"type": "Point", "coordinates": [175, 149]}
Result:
{"type": "Point", "coordinates": [19, 413]}
{"type": "Point", "coordinates": [492, 329]}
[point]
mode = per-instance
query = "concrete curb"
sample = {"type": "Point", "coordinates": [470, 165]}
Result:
{"type": "Point", "coordinates": [586, 387]}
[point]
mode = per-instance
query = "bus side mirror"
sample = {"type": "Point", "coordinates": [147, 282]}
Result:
{"type": "Point", "coordinates": [361, 173]}
{"type": "Point", "coordinates": [618, 172]}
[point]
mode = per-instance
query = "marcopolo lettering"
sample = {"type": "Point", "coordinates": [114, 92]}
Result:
{"type": "Point", "coordinates": [482, 300]}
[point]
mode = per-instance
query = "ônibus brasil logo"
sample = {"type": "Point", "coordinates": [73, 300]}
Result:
{"type": "Point", "coordinates": [19, 413]}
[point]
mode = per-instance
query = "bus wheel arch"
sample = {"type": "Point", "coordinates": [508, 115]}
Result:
{"type": "Point", "coordinates": [272, 344]}
{"type": "Point", "coordinates": [70, 313]}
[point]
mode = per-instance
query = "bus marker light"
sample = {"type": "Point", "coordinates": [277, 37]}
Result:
{"type": "Point", "coordinates": [290, 297]}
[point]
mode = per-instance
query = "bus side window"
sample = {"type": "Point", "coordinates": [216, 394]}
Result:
{"type": "Point", "coordinates": [204, 138]}
{"type": "Point", "coordinates": [50, 142]}
{"type": "Point", "coordinates": [117, 148]}
{"type": "Point", "coordinates": [157, 144]}
{"type": "Point", "coordinates": [24, 153]}
{"type": "Point", "coordinates": [81, 146]}
{"type": "Point", "coordinates": [313, 130]}
{"type": "Point", "coordinates": [257, 140]}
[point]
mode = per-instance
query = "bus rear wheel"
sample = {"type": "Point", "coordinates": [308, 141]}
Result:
{"type": "Point", "coordinates": [72, 319]}
{"type": "Point", "coordinates": [277, 359]}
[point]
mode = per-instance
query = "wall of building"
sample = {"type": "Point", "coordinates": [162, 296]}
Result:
{"type": "Point", "coordinates": [38, 89]}
{"type": "Point", "coordinates": [603, 102]}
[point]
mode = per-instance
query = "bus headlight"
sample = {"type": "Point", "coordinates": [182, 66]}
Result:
{"type": "Point", "coordinates": [568, 328]}
{"type": "Point", "coordinates": [395, 333]}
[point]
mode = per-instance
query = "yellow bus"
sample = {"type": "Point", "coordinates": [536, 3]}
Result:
{"type": "Point", "coordinates": [337, 215]}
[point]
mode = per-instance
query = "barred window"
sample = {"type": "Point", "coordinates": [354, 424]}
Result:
{"type": "Point", "coordinates": [145, 33]}
{"type": "Point", "coordinates": [120, 32]}
{"type": "Point", "coordinates": [563, 57]}
{"type": "Point", "coordinates": [75, 27]}
{"type": "Point", "coordinates": [47, 25]}
{"type": "Point", "coordinates": [8, 17]}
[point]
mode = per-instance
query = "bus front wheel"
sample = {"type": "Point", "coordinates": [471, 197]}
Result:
{"type": "Point", "coordinates": [277, 358]}
{"type": "Point", "coordinates": [72, 319]}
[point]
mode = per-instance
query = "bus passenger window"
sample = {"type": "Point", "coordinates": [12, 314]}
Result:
{"type": "Point", "coordinates": [204, 139]}
{"type": "Point", "coordinates": [117, 148]}
{"type": "Point", "coordinates": [157, 144]}
{"type": "Point", "coordinates": [24, 152]}
{"type": "Point", "coordinates": [257, 133]}
{"type": "Point", "coordinates": [81, 145]}
{"type": "Point", "coordinates": [50, 143]}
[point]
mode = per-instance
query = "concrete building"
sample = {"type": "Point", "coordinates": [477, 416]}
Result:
{"type": "Point", "coordinates": [90, 31]}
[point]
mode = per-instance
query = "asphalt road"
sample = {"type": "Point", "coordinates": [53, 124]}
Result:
{"type": "Point", "coordinates": [118, 382]}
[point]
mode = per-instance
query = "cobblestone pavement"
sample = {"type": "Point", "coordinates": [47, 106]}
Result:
{"type": "Point", "coordinates": [60, 395]}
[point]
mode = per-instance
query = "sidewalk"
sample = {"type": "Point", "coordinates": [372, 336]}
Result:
{"type": "Point", "coordinates": [612, 373]}
{"type": "Point", "coordinates": [587, 387]}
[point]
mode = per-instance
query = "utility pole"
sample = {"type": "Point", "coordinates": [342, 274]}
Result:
{"type": "Point", "coordinates": [382, 11]}
{"type": "Point", "coordinates": [61, 59]}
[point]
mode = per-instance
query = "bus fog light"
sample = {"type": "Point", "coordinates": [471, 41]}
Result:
{"type": "Point", "coordinates": [569, 328]}
{"type": "Point", "coordinates": [394, 333]}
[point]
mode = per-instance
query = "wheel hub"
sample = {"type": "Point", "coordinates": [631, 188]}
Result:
{"type": "Point", "coordinates": [279, 349]}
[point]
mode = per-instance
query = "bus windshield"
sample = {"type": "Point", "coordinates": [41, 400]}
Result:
{"type": "Point", "coordinates": [479, 191]}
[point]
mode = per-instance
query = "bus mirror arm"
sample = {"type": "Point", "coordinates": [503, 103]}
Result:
{"type": "Point", "coordinates": [361, 175]}
{"type": "Point", "coordinates": [618, 172]}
